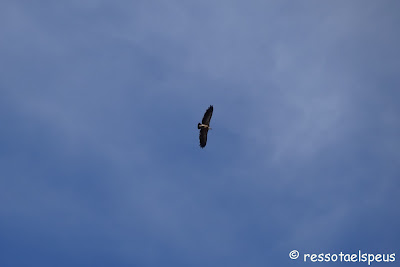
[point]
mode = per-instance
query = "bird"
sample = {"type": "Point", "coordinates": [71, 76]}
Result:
{"type": "Point", "coordinates": [204, 126]}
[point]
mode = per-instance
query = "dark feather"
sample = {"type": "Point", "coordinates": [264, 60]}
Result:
{"type": "Point", "coordinates": [207, 116]}
{"type": "Point", "coordinates": [203, 131]}
{"type": "Point", "coordinates": [203, 137]}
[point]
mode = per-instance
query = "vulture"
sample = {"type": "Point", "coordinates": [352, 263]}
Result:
{"type": "Point", "coordinates": [204, 126]}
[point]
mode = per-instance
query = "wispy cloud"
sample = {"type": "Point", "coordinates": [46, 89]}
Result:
{"type": "Point", "coordinates": [99, 107]}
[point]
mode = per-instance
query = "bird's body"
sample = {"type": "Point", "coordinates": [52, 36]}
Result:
{"type": "Point", "coordinates": [204, 126]}
{"type": "Point", "coordinates": [200, 126]}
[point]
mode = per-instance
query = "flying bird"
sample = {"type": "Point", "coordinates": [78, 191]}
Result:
{"type": "Point", "coordinates": [204, 126]}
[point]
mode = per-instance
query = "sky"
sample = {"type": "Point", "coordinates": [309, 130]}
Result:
{"type": "Point", "coordinates": [100, 163]}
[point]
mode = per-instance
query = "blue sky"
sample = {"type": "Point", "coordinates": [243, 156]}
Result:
{"type": "Point", "coordinates": [100, 162]}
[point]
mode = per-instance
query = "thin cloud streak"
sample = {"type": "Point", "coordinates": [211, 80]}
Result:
{"type": "Point", "coordinates": [101, 104]}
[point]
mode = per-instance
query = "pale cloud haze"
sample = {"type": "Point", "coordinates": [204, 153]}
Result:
{"type": "Point", "coordinates": [100, 162]}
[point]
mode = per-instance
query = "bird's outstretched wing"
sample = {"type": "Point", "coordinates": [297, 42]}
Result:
{"type": "Point", "coordinates": [203, 137]}
{"type": "Point", "coordinates": [207, 116]}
